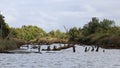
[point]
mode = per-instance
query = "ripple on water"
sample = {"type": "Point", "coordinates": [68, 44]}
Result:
{"type": "Point", "coordinates": [62, 59]}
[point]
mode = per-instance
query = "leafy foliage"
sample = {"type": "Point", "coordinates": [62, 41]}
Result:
{"type": "Point", "coordinates": [4, 28]}
{"type": "Point", "coordinates": [57, 34]}
{"type": "Point", "coordinates": [29, 32]}
{"type": "Point", "coordinates": [74, 34]}
{"type": "Point", "coordinates": [96, 32]}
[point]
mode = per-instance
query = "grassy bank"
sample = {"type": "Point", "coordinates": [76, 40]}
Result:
{"type": "Point", "coordinates": [7, 45]}
{"type": "Point", "coordinates": [10, 44]}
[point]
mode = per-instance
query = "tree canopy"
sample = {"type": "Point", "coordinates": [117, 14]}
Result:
{"type": "Point", "coordinates": [29, 32]}
{"type": "Point", "coordinates": [4, 28]}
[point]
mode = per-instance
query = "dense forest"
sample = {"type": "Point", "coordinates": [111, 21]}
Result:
{"type": "Point", "coordinates": [102, 33]}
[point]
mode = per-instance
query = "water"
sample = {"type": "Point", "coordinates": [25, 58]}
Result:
{"type": "Point", "coordinates": [62, 59]}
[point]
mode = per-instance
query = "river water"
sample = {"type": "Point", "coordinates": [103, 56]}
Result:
{"type": "Point", "coordinates": [62, 59]}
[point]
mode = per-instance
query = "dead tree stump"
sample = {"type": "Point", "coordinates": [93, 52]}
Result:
{"type": "Point", "coordinates": [74, 48]}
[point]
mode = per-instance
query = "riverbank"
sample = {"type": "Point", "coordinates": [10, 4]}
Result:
{"type": "Point", "coordinates": [11, 44]}
{"type": "Point", "coordinates": [7, 45]}
{"type": "Point", "coordinates": [104, 41]}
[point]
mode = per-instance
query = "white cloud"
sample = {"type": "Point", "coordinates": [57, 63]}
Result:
{"type": "Point", "coordinates": [53, 14]}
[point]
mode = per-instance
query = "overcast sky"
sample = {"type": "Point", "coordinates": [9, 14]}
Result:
{"type": "Point", "coordinates": [53, 14]}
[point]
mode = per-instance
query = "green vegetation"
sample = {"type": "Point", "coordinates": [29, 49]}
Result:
{"type": "Point", "coordinates": [4, 28]}
{"type": "Point", "coordinates": [34, 34]}
{"type": "Point", "coordinates": [103, 33]}
{"type": "Point", "coordinates": [28, 33]}
{"type": "Point", "coordinates": [4, 32]}
{"type": "Point", "coordinates": [8, 45]}
{"type": "Point", "coordinates": [96, 32]}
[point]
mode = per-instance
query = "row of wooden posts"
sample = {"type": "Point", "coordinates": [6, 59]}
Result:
{"type": "Point", "coordinates": [94, 48]}
{"type": "Point", "coordinates": [66, 46]}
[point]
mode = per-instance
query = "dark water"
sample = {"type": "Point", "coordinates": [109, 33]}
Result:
{"type": "Point", "coordinates": [63, 59]}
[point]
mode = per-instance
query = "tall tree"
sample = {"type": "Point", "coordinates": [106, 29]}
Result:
{"type": "Point", "coordinates": [91, 27]}
{"type": "Point", "coordinates": [74, 34]}
{"type": "Point", "coordinates": [4, 28]}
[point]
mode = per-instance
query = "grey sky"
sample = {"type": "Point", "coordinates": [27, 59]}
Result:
{"type": "Point", "coordinates": [53, 14]}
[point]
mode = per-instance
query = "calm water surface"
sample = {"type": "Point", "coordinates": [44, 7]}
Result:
{"type": "Point", "coordinates": [63, 59]}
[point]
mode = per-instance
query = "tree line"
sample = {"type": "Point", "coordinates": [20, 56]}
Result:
{"type": "Point", "coordinates": [97, 32]}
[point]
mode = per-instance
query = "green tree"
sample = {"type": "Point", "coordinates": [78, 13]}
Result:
{"type": "Point", "coordinates": [74, 34]}
{"type": "Point", "coordinates": [29, 32]}
{"type": "Point", "coordinates": [91, 27]}
{"type": "Point", "coordinates": [4, 28]}
{"type": "Point", "coordinates": [107, 24]}
{"type": "Point", "coordinates": [57, 34]}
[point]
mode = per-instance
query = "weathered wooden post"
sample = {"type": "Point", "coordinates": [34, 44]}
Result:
{"type": "Point", "coordinates": [92, 48]}
{"type": "Point", "coordinates": [85, 49]}
{"type": "Point", "coordinates": [74, 48]}
{"type": "Point", "coordinates": [39, 48]}
{"type": "Point", "coordinates": [88, 49]}
{"type": "Point", "coordinates": [48, 48]}
{"type": "Point", "coordinates": [103, 50]}
{"type": "Point", "coordinates": [54, 48]}
{"type": "Point", "coordinates": [97, 49]}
